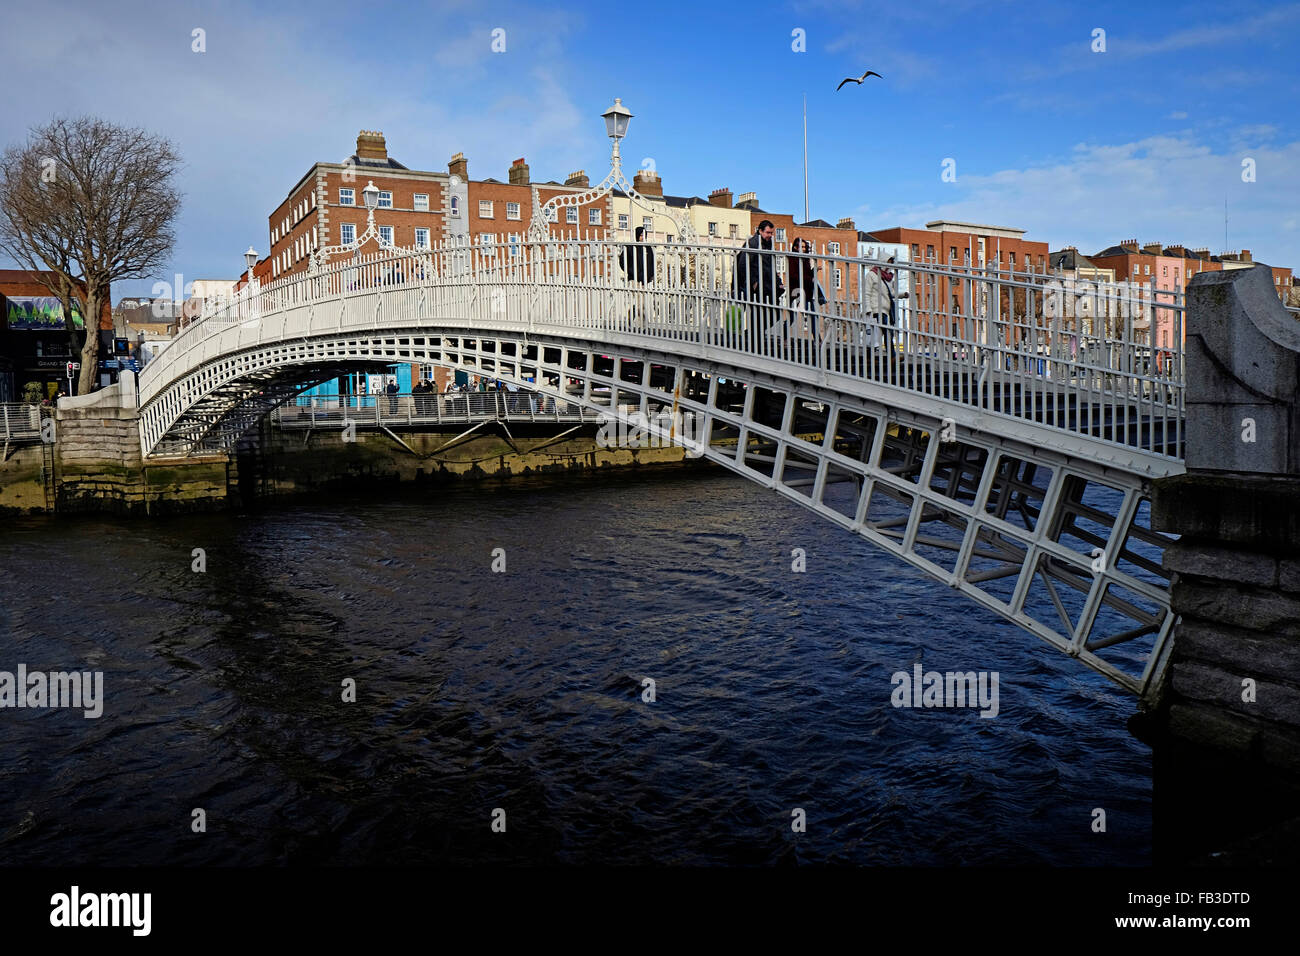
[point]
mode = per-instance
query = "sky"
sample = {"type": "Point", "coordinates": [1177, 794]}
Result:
{"type": "Point", "coordinates": [1080, 137]}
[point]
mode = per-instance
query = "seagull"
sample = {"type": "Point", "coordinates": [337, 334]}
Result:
{"type": "Point", "coordinates": [857, 79]}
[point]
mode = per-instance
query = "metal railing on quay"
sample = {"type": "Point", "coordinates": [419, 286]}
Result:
{"type": "Point", "coordinates": [1100, 359]}
{"type": "Point", "coordinates": [428, 408]}
{"type": "Point", "coordinates": [20, 422]}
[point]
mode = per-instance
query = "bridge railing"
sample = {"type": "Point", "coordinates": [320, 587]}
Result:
{"type": "Point", "coordinates": [406, 409]}
{"type": "Point", "coordinates": [1095, 358]}
{"type": "Point", "coordinates": [19, 422]}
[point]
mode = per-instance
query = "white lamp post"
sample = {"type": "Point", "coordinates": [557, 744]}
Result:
{"type": "Point", "coordinates": [617, 118]}
{"type": "Point", "coordinates": [370, 197]}
{"type": "Point", "coordinates": [250, 257]}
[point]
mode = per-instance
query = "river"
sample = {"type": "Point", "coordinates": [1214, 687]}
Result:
{"type": "Point", "coordinates": [522, 690]}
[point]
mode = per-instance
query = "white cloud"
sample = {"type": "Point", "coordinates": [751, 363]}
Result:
{"type": "Point", "coordinates": [1162, 188]}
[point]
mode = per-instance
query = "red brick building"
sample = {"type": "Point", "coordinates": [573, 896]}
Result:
{"type": "Point", "coordinates": [417, 208]}
{"type": "Point", "coordinates": [961, 244]}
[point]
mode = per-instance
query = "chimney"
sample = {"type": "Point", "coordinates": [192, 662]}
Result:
{"type": "Point", "coordinates": [459, 166]}
{"type": "Point", "coordinates": [1177, 251]}
{"type": "Point", "coordinates": [846, 223]}
{"type": "Point", "coordinates": [648, 184]}
{"type": "Point", "coordinates": [370, 145]}
{"type": "Point", "coordinates": [1129, 245]}
{"type": "Point", "coordinates": [1245, 256]}
{"type": "Point", "coordinates": [578, 178]}
{"type": "Point", "coordinates": [1201, 253]}
{"type": "Point", "coordinates": [720, 197]}
{"type": "Point", "coordinates": [747, 201]}
{"type": "Point", "coordinates": [519, 172]}
{"type": "Point", "coordinates": [1152, 249]}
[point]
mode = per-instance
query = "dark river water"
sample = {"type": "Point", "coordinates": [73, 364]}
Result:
{"type": "Point", "coordinates": [523, 691]}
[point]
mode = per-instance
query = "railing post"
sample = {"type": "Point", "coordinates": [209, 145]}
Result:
{"type": "Point", "coordinates": [1226, 731]}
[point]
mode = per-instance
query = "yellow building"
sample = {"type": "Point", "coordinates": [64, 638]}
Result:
{"type": "Point", "coordinates": [714, 220]}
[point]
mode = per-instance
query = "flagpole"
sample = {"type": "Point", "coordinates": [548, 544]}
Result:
{"type": "Point", "coordinates": [806, 216]}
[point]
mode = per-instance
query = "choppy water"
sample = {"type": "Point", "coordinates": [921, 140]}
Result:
{"type": "Point", "coordinates": [523, 690]}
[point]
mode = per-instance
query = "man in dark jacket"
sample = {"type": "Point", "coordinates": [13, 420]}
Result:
{"type": "Point", "coordinates": [756, 276]}
{"type": "Point", "coordinates": [638, 261]}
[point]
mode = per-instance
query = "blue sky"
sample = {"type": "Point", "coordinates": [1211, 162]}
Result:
{"type": "Point", "coordinates": [1145, 140]}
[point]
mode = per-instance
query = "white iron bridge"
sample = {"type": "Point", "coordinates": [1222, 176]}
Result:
{"type": "Point", "coordinates": [998, 430]}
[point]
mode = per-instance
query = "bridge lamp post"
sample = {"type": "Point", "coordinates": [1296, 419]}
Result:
{"type": "Point", "coordinates": [616, 119]}
{"type": "Point", "coordinates": [250, 257]}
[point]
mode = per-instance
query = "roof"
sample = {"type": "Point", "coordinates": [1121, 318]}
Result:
{"type": "Point", "coordinates": [389, 163]}
{"type": "Point", "coordinates": [1068, 259]}
{"type": "Point", "coordinates": [1118, 251]}
{"type": "Point", "coordinates": [952, 225]}
{"type": "Point", "coordinates": [815, 224]}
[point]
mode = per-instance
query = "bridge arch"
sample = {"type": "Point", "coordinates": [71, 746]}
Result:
{"type": "Point", "coordinates": [973, 459]}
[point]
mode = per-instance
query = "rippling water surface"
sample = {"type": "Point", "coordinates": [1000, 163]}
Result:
{"type": "Point", "coordinates": [523, 690]}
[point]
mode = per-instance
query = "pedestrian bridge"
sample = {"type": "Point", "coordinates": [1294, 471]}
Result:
{"type": "Point", "coordinates": [1001, 435]}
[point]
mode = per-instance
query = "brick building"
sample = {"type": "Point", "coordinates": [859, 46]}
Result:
{"type": "Point", "coordinates": [417, 208]}
{"type": "Point", "coordinates": [962, 244]}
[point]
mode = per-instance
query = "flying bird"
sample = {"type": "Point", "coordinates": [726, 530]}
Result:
{"type": "Point", "coordinates": [856, 79]}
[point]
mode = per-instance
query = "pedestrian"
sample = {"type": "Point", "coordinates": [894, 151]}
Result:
{"type": "Point", "coordinates": [805, 291]}
{"type": "Point", "coordinates": [756, 278]}
{"type": "Point", "coordinates": [420, 392]}
{"type": "Point", "coordinates": [880, 300]}
{"type": "Point", "coordinates": [392, 395]}
{"type": "Point", "coordinates": [637, 260]}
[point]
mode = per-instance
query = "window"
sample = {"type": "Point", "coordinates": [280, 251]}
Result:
{"type": "Point", "coordinates": [550, 214]}
{"type": "Point", "coordinates": [421, 202]}
{"type": "Point", "coordinates": [512, 210]}
{"type": "Point", "coordinates": [571, 214]}
{"type": "Point", "coordinates": [485, 208]}
{"type": "Point", "coordinates": [488, 242]}
{"type": "Point", "coordinates": [952, 254]}
{"type": "Point", "coordinates": [837, 278]}
{"type": "Point", "coordinates": [385, 235]}
{"type": "Point", "coordinates": [648, 223]}
{"type": "Point", "coordinates": [455, 207]}
{"type": "Point", "coordinates": [835, 250]}
{"type": "Point", "coordinates": [385, 199]}
{"type": "Point", "coordinates": [780, 235]}
{"type": "Point", "coordinates": [1148, 270]}
{"type": "Point", "coordinates": [713, 229]}
{"type": "Point", "coordinates": [421, 238]}
{"type": "Point", "coordinates": [1165, 273]}
{"type": "Point", "coordinates": [929, 254]}
{"type": "Point", "coordinates": [347, 233]}
{"type": "Point", "coordinates": [622, 220]}
{"type": "Point", "coordinates": [733, 231]}
{"type": "Point", "coordinates": [593, 217]}
{"type": "Point", "coordinates": [916, 251]}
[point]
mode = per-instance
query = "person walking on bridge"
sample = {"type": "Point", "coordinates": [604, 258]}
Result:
{"type": "Point", "coordinates": [637, 260]}
{"type": "Point", "coordinates": [756, 276]}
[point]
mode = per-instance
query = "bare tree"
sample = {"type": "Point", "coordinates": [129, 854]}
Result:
{"type": "Point", "coordinates": [84, 203]}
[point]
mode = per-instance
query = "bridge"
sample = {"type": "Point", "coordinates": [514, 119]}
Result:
{"type": "Point", "coordinates": [1002, 436]}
